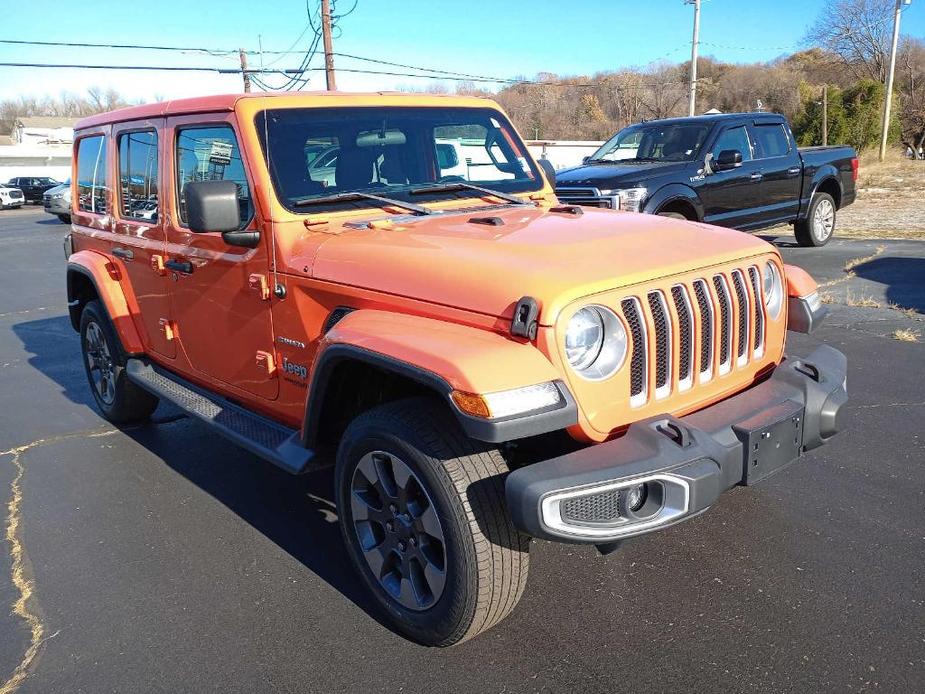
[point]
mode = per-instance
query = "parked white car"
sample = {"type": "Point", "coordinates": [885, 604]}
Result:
{"type": "Point", "coordinates": [11, 197]}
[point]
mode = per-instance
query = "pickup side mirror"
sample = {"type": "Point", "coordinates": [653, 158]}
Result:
{"type": "Point", "coordinates": [549, 170]}
{"type": "Point", "coordinates": [727, 159]}
{"type": "Point", "coordinates": [585, 160]}
{"type": "Point", "coordinates": [213, 206]}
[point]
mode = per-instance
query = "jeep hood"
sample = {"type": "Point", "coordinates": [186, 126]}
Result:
{"type": "Point", "coordinates": [554, 257]}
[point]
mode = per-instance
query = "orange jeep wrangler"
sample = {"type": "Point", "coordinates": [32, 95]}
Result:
{"type": "Point", "coordinates": [391, 279]}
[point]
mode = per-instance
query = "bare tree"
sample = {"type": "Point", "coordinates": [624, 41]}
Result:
{"type": "Point", "coordinates": [65, 104]}
{"type": "Point", "coordinates": [858, 32]}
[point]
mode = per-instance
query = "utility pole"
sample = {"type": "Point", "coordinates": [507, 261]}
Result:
{"type": "Point", "coordinates": [244, 73]}
{"type": "Point", "coordinates": [825, 114]}
{"type": "Point", "coordinates": [888, 97]}
{"type": "Point", "coordinates": [692, 105]}
{"type": "Point", "coordinates": [328, 50]}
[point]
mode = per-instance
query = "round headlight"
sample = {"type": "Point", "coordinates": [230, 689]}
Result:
{"type": "Point", "coordinates": [595, 342]}
{"type": "Point", "coordinates": [773, 289]}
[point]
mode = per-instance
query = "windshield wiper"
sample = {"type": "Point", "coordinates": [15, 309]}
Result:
{"type": "Point", "coordinates": [450, 187]}
{"type": "Point", "coordinates": [355, 196]}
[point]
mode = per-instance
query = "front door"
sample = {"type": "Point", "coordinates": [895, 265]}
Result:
{"type": "Point", "coordinates": [140, 240]}
{"type": "Point", "coordinates": [219, 305]}
{"type": "Point", "coordinates": [729, 196]}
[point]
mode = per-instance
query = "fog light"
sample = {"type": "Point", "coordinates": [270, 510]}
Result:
{"type": "Point", "coordinates": [636, 496]}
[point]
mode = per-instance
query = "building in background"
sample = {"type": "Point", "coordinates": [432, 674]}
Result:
{"type": "Point", "coordinates": [44, 130]}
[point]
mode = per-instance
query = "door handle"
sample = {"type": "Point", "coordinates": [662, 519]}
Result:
{"type": "Point", "coordinates": [794, 171]}
{"type": "Point", "coordinates": [123, 253]}
{"type": "Point", "coordinates": [757, 176]}
{"type": "Point", "coordinates": [184, 266]}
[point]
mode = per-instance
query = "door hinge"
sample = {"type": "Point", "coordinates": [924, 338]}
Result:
{"type": "Point", "coordinates": [157, 264]}
{"type": "Point", "coordinates": [259, 283]}
{"type": "Point", "coordinates": [169, 328]}
{"type": "Point", "coordinates": [266, 361]}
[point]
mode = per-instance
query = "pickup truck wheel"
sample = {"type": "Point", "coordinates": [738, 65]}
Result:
{"type": "Point", "coordinates": [672, 215]}
{"type": "Point", "coordinates": [64, 218]}
{"type": "Point", "coordinates": [423, 516]}
{"type": "Point", "coordinates": [118, 398]}
{"type": "Point", "coordinates": [818, 227]}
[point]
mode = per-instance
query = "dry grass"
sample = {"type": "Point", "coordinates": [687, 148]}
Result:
{"type": "Point", "coordinates": [854, 262]}
{"type": "Point", "coordinates": [907, 312]}
{"type": "Point", "coordinates": [861, 301]}
{"type": "Point", "coordinates": [889, 203]}
{"type": "Point", "coordinates": [906, 335]}
{"type": "Point", "coordinates": [828, 298]}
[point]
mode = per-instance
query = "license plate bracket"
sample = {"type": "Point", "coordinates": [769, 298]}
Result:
{"type": "Point", "coordinates": [771, 441]}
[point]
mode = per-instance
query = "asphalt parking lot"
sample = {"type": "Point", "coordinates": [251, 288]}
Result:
{"type": "Point", "coordinates": [163, 559]}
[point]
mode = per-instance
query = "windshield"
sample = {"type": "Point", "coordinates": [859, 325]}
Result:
{"type": "Point", "coordinates": [45, 181]}
{"type": "Point", "coordinates": [391, 152]}
{"type": "Point", "coordinates": [654, 142]}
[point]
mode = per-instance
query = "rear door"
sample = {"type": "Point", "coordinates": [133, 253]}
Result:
{"type": "Point", "coordinates": [780, 167]}
{"type": "Point", "coordinates": [140, 240]}
{"type": "Point", "coordinates": [218, 293]}
{"type": "Point", "coordinates": [730, 197]}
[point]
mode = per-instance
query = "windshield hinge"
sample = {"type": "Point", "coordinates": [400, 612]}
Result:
{"type": "Point", "coordinates": [525, 321]}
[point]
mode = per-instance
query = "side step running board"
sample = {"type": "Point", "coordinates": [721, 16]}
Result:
{"type": "Point", "coordinates": [261, 436]}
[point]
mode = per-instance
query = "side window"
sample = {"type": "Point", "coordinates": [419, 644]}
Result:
{"type": "Point", "coordinates": [771, 141]}
{"type": "Point", "coordinates": [734, 138]}
{"type": "Point", "coordinates": [138, 175]}
{"type": "Point", "coordinates": [92, 186]}
{"type": "Point", "coordinates": [211, 153]}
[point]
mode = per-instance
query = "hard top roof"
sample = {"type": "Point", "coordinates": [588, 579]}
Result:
{"type": "Point", "coordinates": [228, 102]}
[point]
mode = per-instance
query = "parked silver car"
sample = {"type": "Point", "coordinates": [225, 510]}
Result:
{"type": "Point", "coordinates": [57, 201]}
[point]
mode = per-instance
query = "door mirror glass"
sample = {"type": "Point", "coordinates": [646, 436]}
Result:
{"type": "Point", "coordinates": [728, 159]}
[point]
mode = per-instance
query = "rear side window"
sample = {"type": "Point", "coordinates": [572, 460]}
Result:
{"type": "Point", "coordinates": [138, 175]}
{"type": "Point", "coordinates": [734, 138]}
{"type": "Point", "coordinates": [211, 153]}
{"type": "Point", "coordinates": [771, 141]}
{"type": "Point", "coordinates": [92, 186]}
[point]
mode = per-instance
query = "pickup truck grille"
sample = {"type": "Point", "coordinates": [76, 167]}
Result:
{"type": "Point", "coordinates": [589, 197]}
{"type": "Point", "coordinates": [716, 323]}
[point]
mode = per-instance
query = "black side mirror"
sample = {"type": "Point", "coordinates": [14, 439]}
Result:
{"type": "Point", "coordinates": [585, 160]}
{"type": "Point", "coordinates": [728, 159]}
{"type": "Point", "coordinates": [549, 170]}
{"type": "Point", "coordinates": [213, 206]}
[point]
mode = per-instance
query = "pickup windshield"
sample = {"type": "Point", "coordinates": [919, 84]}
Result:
{"type": "Point", "coordinates": [404, 154]}
{"type": "Point", "coordinates": [654, 142]}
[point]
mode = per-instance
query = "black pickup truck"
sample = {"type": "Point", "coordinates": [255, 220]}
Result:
{"type": "Point", "coordinates": [739, 170]}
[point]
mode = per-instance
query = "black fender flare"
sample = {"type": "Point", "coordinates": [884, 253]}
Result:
{"type": "Point", "coordinates": [671, 193]}
{"type": "Point", "coordinates": [488, 430]}
{"type": "Point", "coordinates": [824, 174]}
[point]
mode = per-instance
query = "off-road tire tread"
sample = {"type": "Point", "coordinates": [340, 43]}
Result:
{"type": "Point", "coordinates": [502, 563]}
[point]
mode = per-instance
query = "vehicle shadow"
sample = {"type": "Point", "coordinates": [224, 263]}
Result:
{"type": "Point", "coordinates": [297, 513]}
{"type": "Point", "coordinates": [904, 279]}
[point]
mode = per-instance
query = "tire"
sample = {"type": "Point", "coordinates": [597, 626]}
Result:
{"type": "Point", "coordinates": [454, 491]}
{"type": "Point", "coordinates": [64, 218]}
{"type": "Point", "coordinates": [818, 227]}
{"type": "Point", "coordinates": [673, 215]}
{"type": "Point", "coordinates": [119, 399]}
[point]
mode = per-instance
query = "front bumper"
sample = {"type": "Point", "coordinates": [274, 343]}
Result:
{"type": "Point", "coordinates": [59, 206]}
{"type": "Point", "coordinates": [685, 463]}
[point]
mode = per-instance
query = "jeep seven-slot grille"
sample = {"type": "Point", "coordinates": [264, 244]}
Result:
{"type": "Point", "coordinates": [725, 315]}
{"type": "Point", "coordinates": [662, 339]}
{"type": "Point", "coordinates": [742, 322]}
{"type": "Point", "coordinates": [638, 337]}
{"type": "Point", "coordinates": [708, 313]}
{"type": "Point", "coordinates": [685, 334]}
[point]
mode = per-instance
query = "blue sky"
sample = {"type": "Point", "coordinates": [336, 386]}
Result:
{"type": "Point", "coordinates": [510, 38]}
